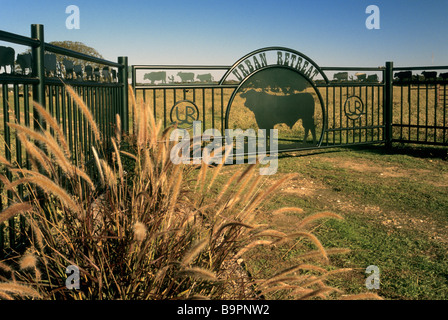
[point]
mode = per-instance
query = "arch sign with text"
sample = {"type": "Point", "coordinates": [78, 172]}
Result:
{"type": "Point", "coordinates": [276, 90]}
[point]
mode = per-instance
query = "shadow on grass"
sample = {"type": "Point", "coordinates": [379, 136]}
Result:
{"type": "Point", "coordinates": [418, 151]}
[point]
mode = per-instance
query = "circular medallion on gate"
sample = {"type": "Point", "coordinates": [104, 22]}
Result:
{"type": "Point", "coordinates": [183, 113]}
{"type": "Point", "coordinates": [354, 107]}
{"type": "Point", "coordinates": [277, 98]}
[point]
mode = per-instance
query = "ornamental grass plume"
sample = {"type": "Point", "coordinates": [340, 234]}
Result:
{"type": "Point", "coordinates": [28, 261]}
{"type": "Point", "coordinates": [139, 231]}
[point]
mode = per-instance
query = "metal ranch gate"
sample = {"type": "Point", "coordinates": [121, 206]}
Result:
{"type": "Point", "coordinates": [270, 88]}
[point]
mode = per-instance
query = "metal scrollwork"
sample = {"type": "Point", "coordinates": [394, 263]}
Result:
{"type": "Point", "coordinates": [354, 108]}
{"type": "Point", "coordinates": [183, 113]}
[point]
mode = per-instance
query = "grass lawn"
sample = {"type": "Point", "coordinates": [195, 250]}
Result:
{"type": "Point", "coordinates": [395, 209]}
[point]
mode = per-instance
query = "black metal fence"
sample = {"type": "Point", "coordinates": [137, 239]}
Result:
{"type": "Point", "coordinates": [348, 125]}
{"type": "Point", "coordinates": [391, 107]}
{"type": "Point", "coordinates": [420, 105]}
{"type": "Point", "coordinates": [40, 75]}
{"type": "Point", "coordinates": [210, 99]}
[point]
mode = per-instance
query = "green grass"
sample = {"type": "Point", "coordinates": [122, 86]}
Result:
{"type": "Point", "coordinates": [411, 266]}
{"type": "Point", "coordinates": [395, 209]}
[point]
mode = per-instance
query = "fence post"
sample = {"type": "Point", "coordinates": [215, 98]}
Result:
{"type": "Point", "coordinates": [123, 79]}
{"type": "Point", "coordinates": [38, 68]}
{"type": "Point", "coordinates": [388, 104]}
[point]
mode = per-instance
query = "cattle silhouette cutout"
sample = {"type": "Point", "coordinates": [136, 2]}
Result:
{"type": "Point", "coordinates": [69, 68]}
{"type": "Point", "coordinates": [205, 77]}
{"type": "Point", "coordinates": [77, 68]}
{"type": "Point", "coordinates": [97, 74]}
{"type": "Point", "coordinates": [429, 75]}
{"type": "Point", "coordinates": [113, 74]}
{"type": "Point", "coordinates": [7, 55]}
{"type": "Point", "coordinates": [403, 76]}
{"type": "Point", "coordinates": [89, 72]}
{"type": "Point", "coordinates": [50, 64]}
{"type": "Point", "coordinates": [106, 74]}
{"type": "Point", "coordinates": [272, 109]}
{"type": "Point", "coordinates": [372, 78]}
{"type": "Point", "coordinates": [186, 76]}
{"type": "Point", "coordinates": [340, 76]}
{"type": "Point", "coordinates": [155, 76]}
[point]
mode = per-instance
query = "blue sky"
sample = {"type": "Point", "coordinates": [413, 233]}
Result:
{"type": "Point", "coordinates": [331, 32]}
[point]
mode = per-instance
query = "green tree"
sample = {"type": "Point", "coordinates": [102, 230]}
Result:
{"type": "Point", "coordinates": [78, 47]}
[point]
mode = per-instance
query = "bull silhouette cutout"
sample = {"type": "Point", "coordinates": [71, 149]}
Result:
{"type": "Point", "coordinates": [271, 109]}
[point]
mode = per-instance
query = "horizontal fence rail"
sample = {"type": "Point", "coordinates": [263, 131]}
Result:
{"type": "Point", "coordinates": [101, 84]}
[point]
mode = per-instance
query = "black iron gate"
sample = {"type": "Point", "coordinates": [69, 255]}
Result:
{"type": "Point", "coordinates": [275, 87]}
